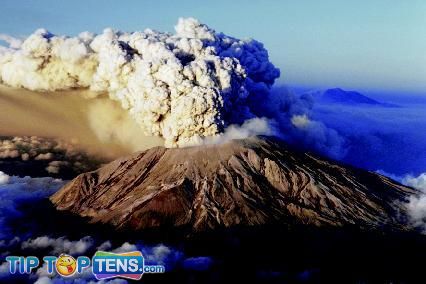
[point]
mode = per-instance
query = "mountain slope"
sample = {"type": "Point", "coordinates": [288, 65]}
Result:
{"type": "Point", "coordinates": [253, 181]}
{"type": "Point", "coordinates": [338, 95]}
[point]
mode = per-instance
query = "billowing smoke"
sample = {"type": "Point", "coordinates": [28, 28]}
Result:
{"type": "Point", "coordinates": [252, 127]}
{"type": "Point", "coordinates": [418, 182]}
{"type": "Point", "coordinates": [98, 125]}
{"type": "Point", "coordinates": [111, 124]}
{"type": "Point", "coordinates": [417, 204]}
{"type": "Point", "coordinates": [182, 86]}
{"type": "Point", "coordinates": [290, 118]}
{"type": "Point", "coordinates": [196, 86]}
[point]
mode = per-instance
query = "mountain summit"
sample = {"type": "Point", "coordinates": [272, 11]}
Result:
{"type": "Point", "coordinates": [338, 95]}
{"type": "Point", "coordinates": [247, 182]}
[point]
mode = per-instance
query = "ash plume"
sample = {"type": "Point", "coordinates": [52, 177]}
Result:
{"type": "Point", "coordinates": [182, 87]}
{"type": "Point", "coordinates": [99, 126]}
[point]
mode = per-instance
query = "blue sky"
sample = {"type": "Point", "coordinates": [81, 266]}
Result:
{"type": "Point", "coordinates": [365, 45]}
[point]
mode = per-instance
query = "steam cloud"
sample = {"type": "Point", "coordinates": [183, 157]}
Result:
{"type": "Point", "coordinates": [182, 86]}
{"type": "Point", "coordinates": [417, 204]}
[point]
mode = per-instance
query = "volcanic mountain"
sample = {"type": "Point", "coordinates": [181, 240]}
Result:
{"type": "Point", "coordinates": [248, 182]}
{"type": "Point", "coordinates": [340, 96]}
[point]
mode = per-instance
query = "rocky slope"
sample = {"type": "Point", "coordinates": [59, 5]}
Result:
{"type": "Point", "coordinates": [253, 181]}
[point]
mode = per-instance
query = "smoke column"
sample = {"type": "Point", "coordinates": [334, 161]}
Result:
{"type": "Point", "coordinates": [182, 87]}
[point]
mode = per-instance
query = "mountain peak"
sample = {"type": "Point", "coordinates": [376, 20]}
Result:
{"type": "Point", "coordinates": [338, 95]}
{"type": "Point", "coordinates": [249, 182]}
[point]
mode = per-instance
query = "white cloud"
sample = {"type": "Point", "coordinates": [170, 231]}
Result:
{"type": "Point", "coordinates": [43, 280]}
{"type": "Point", "coordinates": [16, 192]}
{"type": "Point", "coordinates": [416, 205]}
{"type": "Point", "coordinates": [4, 270]}
{"type": "Point", "coordinates": [105, 246]}
{"type": "Point", "coordinates": [300, 121]}
{"type": "Point", "coordinates": [60, 245]}
{"type": "Point", "coordinates": [158, 254]}
{"type": "Point", "coordinates": [251, 127]}
{"type": "Point", "coordinates": [418, 182]}
{"type": "Point", "coordinates": [4, 178]}
{"type": "Point", "coordinates": [125, 247]}
{"type": "Point", "coordinates": [12, 41]}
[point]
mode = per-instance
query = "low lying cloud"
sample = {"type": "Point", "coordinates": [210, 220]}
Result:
{"type": "Point", "coordinates": [158, 254]}
{"type": "Point", "coordinates": [125, 247]}
{"type": "Point", "coordinates": [4, 178]}
{"type": "Point", "coordinates": [416, 205]}
{"type": "Point", "coordinates": [418, 182]}
{"type": "Point", "coordinates": [16, 192]}
{"type": "Point", "coordinates": [378, 137]}
{"type": "Point", "coordinates": [31, 155]}
{"type": "Point", "coordinates": [387, 138]}
{"type": "Point", "coordinates": [57, 246]}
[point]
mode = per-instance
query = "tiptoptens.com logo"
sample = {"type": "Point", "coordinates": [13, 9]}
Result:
{"type": "Point", "coordinates": [105, 265]}
{"type": "Point", "coordinates": [128, 265]}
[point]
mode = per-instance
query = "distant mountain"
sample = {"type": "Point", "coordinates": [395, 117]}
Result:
{"type": "Point", "coordinates": [249, 182]}
{"type": "Point", "coordinates": [340, 96]}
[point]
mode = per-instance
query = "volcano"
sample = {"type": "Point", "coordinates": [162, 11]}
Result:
{"type": "Point", "coordinates": [340, 96]}
{"type": "Point", "coordinates": [248, 182]}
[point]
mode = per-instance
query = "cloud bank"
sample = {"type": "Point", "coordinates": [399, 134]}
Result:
{"type": "Point", "coordinates": [22, 234]}
{"type": "Point", "coordinates": [376, 137]}
{"type": "Point", "coordinates": [59, 245]}
{"type": "Point", "coordinates": [16, 192]}
{"type": "Point", "coordinates": [44, 156]}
